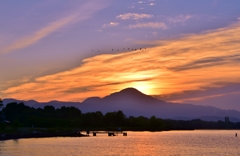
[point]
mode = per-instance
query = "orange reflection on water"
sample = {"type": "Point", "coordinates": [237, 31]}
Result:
{"type": "Point", "coordinates": [200, 142]}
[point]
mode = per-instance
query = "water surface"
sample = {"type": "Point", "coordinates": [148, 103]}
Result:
{"type": "Point", "coordinates": [200, 142]}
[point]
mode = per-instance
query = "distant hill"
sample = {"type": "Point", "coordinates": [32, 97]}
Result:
{"type": "Point", "coordinates": [133, 102]}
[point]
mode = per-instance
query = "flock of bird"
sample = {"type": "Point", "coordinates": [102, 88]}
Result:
{"type": "Point", "coordinates": [127, 49]}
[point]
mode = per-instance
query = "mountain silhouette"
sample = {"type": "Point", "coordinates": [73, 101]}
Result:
{"type": "Point", "coordinates": [131, 96]}
{"type": "Point", "coordinates": [134, 103]}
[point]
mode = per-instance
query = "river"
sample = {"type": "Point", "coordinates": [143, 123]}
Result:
{"type": "Point", "coordinates": [198, 142]}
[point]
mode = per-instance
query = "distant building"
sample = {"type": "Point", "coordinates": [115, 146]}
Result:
{"type": "Point", "coordinates": [227, 119]}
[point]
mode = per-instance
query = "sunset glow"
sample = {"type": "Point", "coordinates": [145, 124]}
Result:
{"type": "Point", "coordinates": [89, 48]}
{"type": "Point", "coordinates": [186, 63]}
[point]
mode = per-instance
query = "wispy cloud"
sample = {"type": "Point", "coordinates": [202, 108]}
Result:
{"type": "Point", "coordinates": [133, 16]}
{"type": "Point", "coordinates": [131, 7]}
{"type": "Point", "coordinates": [153, 25]}
{"type": "Point", "coordinates": [84, 12]}
{"type": "Point", "coordinates": [162, 69]}
{"type": "Point", "coordinates": [209, 62]}
{"type": "Point", "coordinates": [179, 18]}
{"type": "Point", "coordinates": [152, 2]}
{"type": "Point", "coordinates": [111, 24]}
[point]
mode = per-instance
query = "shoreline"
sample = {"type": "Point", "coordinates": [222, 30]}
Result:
{"type": "Point", "coordinates": [16, 136]}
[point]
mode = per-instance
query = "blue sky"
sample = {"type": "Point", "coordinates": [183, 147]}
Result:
{"type": "Point", "coordinates": [40, 39]}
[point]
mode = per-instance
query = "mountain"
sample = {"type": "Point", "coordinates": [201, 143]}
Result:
{"type": "Point", "coordinates": [133, 102]}
{"type": "Point", "coordinates": [131, 95]}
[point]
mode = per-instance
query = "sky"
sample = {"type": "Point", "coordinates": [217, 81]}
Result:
{"type": "Point", "coordinates": [180, 51]}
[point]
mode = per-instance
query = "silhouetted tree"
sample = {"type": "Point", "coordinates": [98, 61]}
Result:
{"type": "Point", "coordinates": [49, 109]}
{"type": "Point", "coordinates": [66, 117]}
{"type": "Point", "coordinates": [140, 122]}
{"type": "Point", "coordinates": [1, 103]}
{"type": "Point", "coordinates": [115, 119]}
{"type": "Point", "coordinates": [68, 112]}
{"type": "Point", "coordinates": [2, 118]}
{"type": "Point", "coordinates": [155, 123]}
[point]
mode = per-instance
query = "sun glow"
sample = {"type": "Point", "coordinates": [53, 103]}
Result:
{"type": "Point", "coordinates": [142, 81]}
{"type": "Point", "coordinates": [144, 87]}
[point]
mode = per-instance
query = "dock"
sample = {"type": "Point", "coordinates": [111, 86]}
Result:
{"type": "Point", "coordinates": [110, 133]}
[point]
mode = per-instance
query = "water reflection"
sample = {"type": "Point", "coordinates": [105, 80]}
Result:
{"type": "Point", "coordinates": [136, 143]}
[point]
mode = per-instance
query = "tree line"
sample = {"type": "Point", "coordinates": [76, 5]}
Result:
{"type": "Point", "coordinates": [20, 115]}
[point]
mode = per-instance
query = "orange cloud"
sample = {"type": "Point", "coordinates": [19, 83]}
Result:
{"type": "Point", "coordinates": [187, 63]}
{"type": "Point", "coordinates": [186, 100]}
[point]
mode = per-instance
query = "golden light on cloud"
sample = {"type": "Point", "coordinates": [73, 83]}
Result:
{"type": "Point", "coordinates": [145, 84]}
{"type": "Point", "coordinates": [187, 63]}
